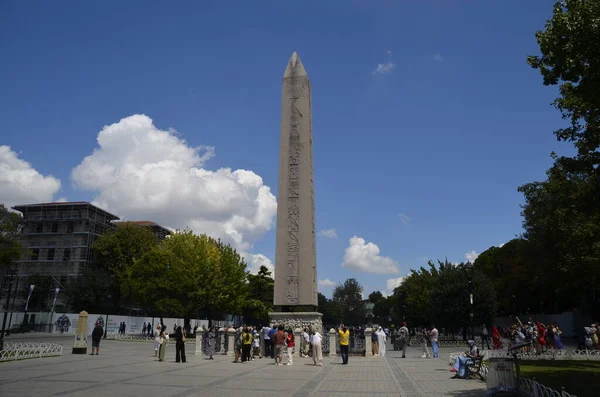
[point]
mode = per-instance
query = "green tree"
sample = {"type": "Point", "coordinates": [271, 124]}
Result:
{"type": "Point", "coordinates": [450, 301]}
{"type": "Point", "coordinates": [333, 313]}
{"type": "Point", "coordinates": [520, 281]}
{"type": "Point", "coordinates": [349, 297]}
{"type": "Point", "coordinates": [91, 291]}
{"type": "Point", "coordinates": [260, 297]}
{"type": "Point", "coordinates": [570, 58]}
{"type": "Point", "coordinates": [10, 225]}
{"type": "Point", "coordinates": [412, 297]}
{"type": "Point", "coordinates": [116, 251]}
{"type": "Point", "coordinates": [187, 275]}
{"type": "Point", "coordinates": [561, 214]}
{"type": "Point", "coordinates": [382, 310]}
{"type": "Point", "coordinates": [375, 297]}
{"type": "Point", "coordinates": [561, 218]}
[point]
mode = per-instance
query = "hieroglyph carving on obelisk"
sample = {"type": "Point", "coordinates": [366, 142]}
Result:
{"type": "Point", "coordinates": [295, 257]}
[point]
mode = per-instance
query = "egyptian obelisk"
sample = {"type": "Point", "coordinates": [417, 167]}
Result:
{"type": "Point", "coordinates": [295, 297]}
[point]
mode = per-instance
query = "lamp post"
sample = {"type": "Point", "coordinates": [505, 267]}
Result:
{"type": "Point", "coordinates": [25, 319]}
{"type": "Point", "coordinates": [470, 267]}
{"type": "Point", "coordinates": [56, 291]}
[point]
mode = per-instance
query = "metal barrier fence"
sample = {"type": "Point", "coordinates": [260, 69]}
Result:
{"type": "Point", "coordinates": [581, 355]}
{"type": "Point", "coordinates": [26, 350]}
{"type": "Point", "coordinates": [531, 388]}
{"type": "Point", "coordinates": [357, 344]}
{"type": "Point", "coordinates": [141, 338]}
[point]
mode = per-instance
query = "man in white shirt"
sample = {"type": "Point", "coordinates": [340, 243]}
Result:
{"type": "Point", "coordinates": [306, 338]}
{"type": "Point", "coordinates": [433, 337]}
{"type": "Point", "coordinates": [315, 341]}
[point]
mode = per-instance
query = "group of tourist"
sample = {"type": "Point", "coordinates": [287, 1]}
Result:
{"type": "Point", "coordinates": [540, 336]}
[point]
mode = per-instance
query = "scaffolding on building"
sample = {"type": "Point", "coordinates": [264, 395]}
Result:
{"type": "Point", "coordinates": [58, 239]}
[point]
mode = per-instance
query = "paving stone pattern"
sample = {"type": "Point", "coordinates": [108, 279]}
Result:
{"type": "Point", "coordinates": [126, 369]}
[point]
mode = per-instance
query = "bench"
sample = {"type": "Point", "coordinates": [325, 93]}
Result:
{"type": "Point", "coordinates": [474, 367]}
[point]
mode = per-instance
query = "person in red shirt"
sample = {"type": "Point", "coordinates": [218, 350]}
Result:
{"type": "Point", "coordinates": [290, 346]}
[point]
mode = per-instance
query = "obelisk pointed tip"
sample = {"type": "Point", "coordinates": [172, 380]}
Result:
{"type": "Point", "coordinates": [294, 67]}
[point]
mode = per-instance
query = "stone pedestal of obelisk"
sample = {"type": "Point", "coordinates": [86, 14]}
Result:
{"type": "Point", "coordinates": [295, 297]}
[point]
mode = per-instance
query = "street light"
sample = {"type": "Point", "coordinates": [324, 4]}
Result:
{"type": "Point", "coordinates": [469, 266]}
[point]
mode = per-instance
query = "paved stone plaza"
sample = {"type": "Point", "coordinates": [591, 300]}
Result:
{"type": "Point", "coordinates": [129, 369]}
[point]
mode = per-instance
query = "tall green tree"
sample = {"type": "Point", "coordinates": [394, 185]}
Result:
{"type": "Point", "coordinates": [333, 313]}
{"type": "Point", "coordinates": [116, 251]}
{"type": "Point", "coordinates": [349, 296]}
{"type": "Point", "coordinates": [260, 297]}
{"type": "Point", "coordinates": [570, 58]}
{"type": "Point", "coordinates": [412, 297]}
{"type": "Point", "coordinates": [188, 275]}
{"type": "Point", "coordinates": [10, 225]}
{"type": "Point", "coordinates": [440, 295]}
{"type": "Point", "coordinates": [561, 218]}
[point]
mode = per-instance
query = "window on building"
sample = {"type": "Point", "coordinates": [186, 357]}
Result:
{"type": "Point", "coordinates": [54, 227]}
{"type": "Point", "coordinates": [39, 228]}
{"type": "Point", "coordinates": [70, 227]}
{"type": "Point", "coordinates": [67, 254]}
{"type": "Point", "coordinates": [50, 255]}
{"type": "Point", "coordinates": [35, 254]}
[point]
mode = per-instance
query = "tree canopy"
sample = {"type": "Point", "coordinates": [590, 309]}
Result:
{"type": "Point", "coordinates": [10, 225]}
{"type": "Point", "coordinates": [349, 297]}
{"type": "Point", "coordinates": [187, 275]}
{"type": "Point", "coordinates": [260, 297]}
{"type": "Point", "coordinates": [116, 251]}
{"type": "Point", "coordinates": [440, 295]}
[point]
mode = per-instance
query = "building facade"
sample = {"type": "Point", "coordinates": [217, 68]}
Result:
{"type": "Point", "coordinates": [58, 238]}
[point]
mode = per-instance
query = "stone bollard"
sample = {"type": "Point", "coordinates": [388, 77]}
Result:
{"type": "Point", "coordinates": [199, 333]}
{"type": "Point", "coordinates": [221, 335]}
{"type": "Point", "coordinates": [297, 342]}
{"type": "Point", "coordinates": [231, 342]}
{"type": "Point", "coordinates": [369, 343]}
{"type": "Point", "coordinates": [332, 345]}
{"type": "Point", "coordinates": [80, 345]}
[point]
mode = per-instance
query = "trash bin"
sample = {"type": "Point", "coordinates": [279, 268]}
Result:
{"type": "Point", "coordinates": [501, 377]}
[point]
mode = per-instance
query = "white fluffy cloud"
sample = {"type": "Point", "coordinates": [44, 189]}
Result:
{"type": "Point", "coordinates": [20, 183]}
{"type": "Point", "coordinates": [142, 172]}
{"type": "Point", "coordinates": [471, 256]}
{"type": "Point", "coordinates": [384, 68]}
{"type": "Point", "coordinates": [394, 283]}
{"type": "Point", "coordinates": [364, 257]}
{"type": "Point", "coordinates": [255, 261]}
{"type": "Point", "coordinates": [329, 233]}
{"type": "Point", "coordinates": [327, 283]}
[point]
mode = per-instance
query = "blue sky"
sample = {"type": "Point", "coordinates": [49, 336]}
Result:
{"type": "Point", "coordinates": [426, 118]}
